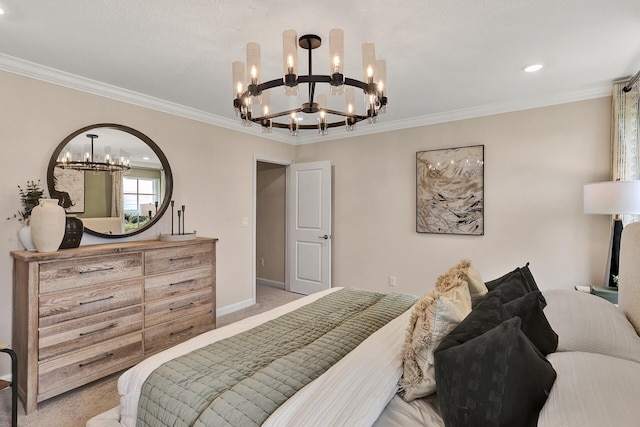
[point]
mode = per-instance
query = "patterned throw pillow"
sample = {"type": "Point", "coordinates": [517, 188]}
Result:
{"type": "Point", "coordinates": [497, 378]}
{"type": "Point", "coordinates": [432, 318]}
{"type": "Point", "coordinates": [465, 272]}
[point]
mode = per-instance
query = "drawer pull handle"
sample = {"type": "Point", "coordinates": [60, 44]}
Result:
{"type": "Point", "coordinates": [181, 307]}
{"type": "Point", "coordinates": [181, 283]}
{"type": "Point", "coordinates": [95, 300]}
{"type": "Point", "coordinates": [82, 365]}
{"type": "Point", "coordinates": [181, 258]}
{"type": "Point", "coordinates": [111, 326]}
{"type": "Point", "coordinates": [95, 270]}
{"type": "Point", "coordinates": [181, 331]}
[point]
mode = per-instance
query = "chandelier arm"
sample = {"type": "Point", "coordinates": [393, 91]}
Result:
{"type": "Point", "coordinates": [339, 123]}
{"type": "Point", "coordinates": [275, 115]}
{"type": "Point", "coordinates": [260, 119]}
{"type": "Point", "coordinates": [270, 84]}
{"type": "Point", "coordinates": [358, 117]}
{"type": "Point", "coordinates": [280, 125]}
{"type": "Point", "coordinates": [312, 92]}
{"type": "Point", "coordinates": [310, 78]}
{"type": "Point", "coordinates": [357, 83]}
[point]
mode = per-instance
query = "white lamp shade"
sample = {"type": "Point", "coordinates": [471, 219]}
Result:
{"type": "Point", "coordinates": [612, 197]}
{"type": "Point", "coordinates": [145, 208]}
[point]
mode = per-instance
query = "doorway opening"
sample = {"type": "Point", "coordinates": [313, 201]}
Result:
{"type": "Point", "coordinates": [270, 226]}
{"type": "Point", "coordinates": [292, 225]}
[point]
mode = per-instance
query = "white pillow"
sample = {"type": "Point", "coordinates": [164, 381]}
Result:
{"type": "Point", "coordinates": [433, 317]}
{"type": "Point", "coordinates": [592, 390]}
{"type": "Point", "coordinates": [585, 322]}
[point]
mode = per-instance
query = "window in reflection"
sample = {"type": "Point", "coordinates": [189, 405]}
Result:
{"type": "Point", "coordinates": [140, 194]}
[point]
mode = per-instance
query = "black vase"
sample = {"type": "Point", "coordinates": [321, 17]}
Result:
{"type": "Point", "coordinates": [73, 230]}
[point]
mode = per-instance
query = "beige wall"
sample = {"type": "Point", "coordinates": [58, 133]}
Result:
{"type": "Point", "coordinates": [212, 168]}
{"type": "Point", "coordinates": [536, 163]}
{"type": "Point", "coordinates": [270, 222]}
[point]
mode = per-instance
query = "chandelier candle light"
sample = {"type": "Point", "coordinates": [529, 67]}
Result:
{"type": "Point", "coordinates": [248, 93]}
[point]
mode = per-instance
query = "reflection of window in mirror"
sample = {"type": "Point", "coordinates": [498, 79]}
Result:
{"type": "Point", "coordinates": [140, 189]}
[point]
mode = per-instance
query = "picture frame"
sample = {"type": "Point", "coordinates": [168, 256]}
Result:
{"type": "Point", "coordinates": [450, 191]}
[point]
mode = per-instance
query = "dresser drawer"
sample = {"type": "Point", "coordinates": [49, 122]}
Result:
{"type": "Point", "coordinates": [175, 308]}
{"type": "Point", "coordinates": [56, 373]}
{"type": "Point", "coordinates": [178, 258]}
{"type": "Point", "coordinates": [177, 283]}
{"type": "Point", "coordinates": [77, 273]}
{"type": "Point", "coordinates": [168, 334]}
{"type": "Point", "coordinates": [57, 307]}
{"type": "Point", "coordinates": [71, 336]}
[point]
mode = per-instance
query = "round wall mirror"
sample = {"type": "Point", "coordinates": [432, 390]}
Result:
{"type": "Point", "coordinates": [114, 178]}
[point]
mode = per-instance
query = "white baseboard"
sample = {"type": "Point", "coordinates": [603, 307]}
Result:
{"type": "Point", "coordinates": [234, 307]}
{"type": "Point", "coordinates": [6, 377]}
{"type": "Point", "coordinates": [272, 283]}
{"type": "Point", "coordinates": [249, 302]}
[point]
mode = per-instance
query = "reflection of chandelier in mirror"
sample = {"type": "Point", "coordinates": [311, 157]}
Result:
{"type": "Point", "coordinates": [253, 92]}
{"type": "Point", "coordinates": [89, 161]}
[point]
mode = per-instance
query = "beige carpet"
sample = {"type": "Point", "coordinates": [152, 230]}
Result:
{"type": "Point", "coordinates": [74, 408]}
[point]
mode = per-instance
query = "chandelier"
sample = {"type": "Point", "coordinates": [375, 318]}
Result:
{"type": "Point", "coordinates": [254, 92]}
{"type": "Point", "coordinates": [89, 161]}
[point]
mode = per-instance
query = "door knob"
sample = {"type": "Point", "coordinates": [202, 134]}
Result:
{"type": "Point", "coordinates": [325, 237]}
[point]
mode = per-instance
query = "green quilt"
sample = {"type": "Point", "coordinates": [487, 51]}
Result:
{"type": "Point", "coordinates": [242, 380]}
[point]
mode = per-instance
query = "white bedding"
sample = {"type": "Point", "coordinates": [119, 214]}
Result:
{"type": "Point", "coordinates": [335, 398]}
{"type": "Point", "coordinates": [592, 390]}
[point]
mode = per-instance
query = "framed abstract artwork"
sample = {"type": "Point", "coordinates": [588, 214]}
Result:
{"type": "Point", "coordinates": [450, 191]}
{"type": "Point", "coordinates": [72, 200]}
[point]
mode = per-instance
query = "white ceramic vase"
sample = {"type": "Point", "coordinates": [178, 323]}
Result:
{"type": "Point", "coordinates": [47, 225]}
{"type": "Point", "coordinates": [24, 234]}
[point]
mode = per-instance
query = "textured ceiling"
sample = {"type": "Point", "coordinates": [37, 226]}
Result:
{"type": "Point", "coordinates": [446, 59]}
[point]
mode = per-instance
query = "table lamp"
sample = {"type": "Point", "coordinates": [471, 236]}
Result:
{"type": "Point", "coordinates": [612, 198]}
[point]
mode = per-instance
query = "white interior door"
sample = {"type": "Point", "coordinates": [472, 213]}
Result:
{"type": "Point", "coordinates": [309, 229]}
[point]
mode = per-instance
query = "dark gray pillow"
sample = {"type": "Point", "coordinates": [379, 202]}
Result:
{"type": "Point", "coordinates": [485, 316]}
{"type": "Point", "coordinates": [510, 289]}
{"type": "Point", "coordinates": [491, 312]}
{"type": "Point", "coordinates": [520, 274]}
{"type": "Point", "coordinates": [533, 286]}
{"type": "Point", "coordinates": [497, 378]}
{"type": "Point", "coordinates": [534, 322]}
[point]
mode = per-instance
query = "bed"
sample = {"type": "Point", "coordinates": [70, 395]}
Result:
{"type": "Point", "coordinates": [571, 359]}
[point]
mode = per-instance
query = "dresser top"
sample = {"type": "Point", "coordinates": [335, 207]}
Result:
{"type": "Point", "coordinates": [104, 249]}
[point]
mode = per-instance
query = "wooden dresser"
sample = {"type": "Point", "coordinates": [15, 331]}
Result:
{"type": "Point", "coordinates": [82, 314]}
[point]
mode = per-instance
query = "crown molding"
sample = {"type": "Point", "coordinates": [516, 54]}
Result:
{"type": "Point", "coordinates": [51, 75]}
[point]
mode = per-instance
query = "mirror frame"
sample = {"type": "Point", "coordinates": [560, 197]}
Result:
{"type": "Point", "coordinates": [144, 138]}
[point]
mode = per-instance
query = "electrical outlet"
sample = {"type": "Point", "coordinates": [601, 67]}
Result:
{"type": "Point", "coordinates": [392, 281]}
{"type": "Point", "coordinates": [245, 222]}
{"type": "Point", "coordinates": [262, 262]}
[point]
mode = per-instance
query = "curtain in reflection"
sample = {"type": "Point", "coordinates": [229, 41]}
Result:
{"type": "Point", "coordinates": [117, 199]}
{"type": "Point", "coordinates": [625, 134]}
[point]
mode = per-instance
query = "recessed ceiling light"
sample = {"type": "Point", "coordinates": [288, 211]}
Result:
{"type": "Point", "coordinates": [145, 158]}
{"type": "Point", "coordinates": [532, 68]}
{"type": "Point", "coordinates": [1, 11]}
